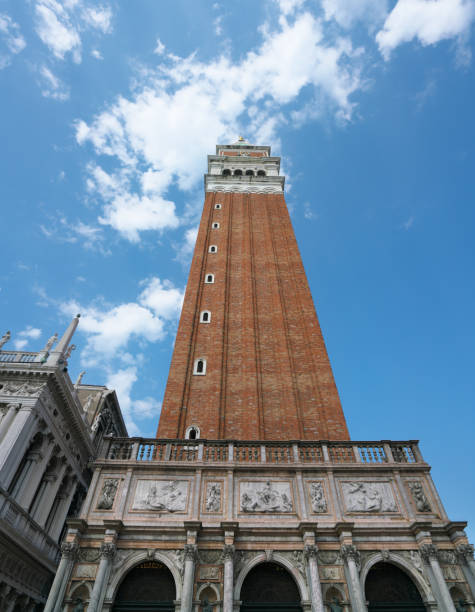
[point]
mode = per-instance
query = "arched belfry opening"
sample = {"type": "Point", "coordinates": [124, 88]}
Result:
{"type": "Point", "coordinates": [269, 587]}
{"type": "Point", "coordinates": [390, 589]}
{"type": "Point", "coordinates": [148, 587]}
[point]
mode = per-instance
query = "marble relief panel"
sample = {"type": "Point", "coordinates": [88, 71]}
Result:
{"type": "Point", "coordinates": [317, 496]}
{"type": "Point", "coordinates": [161, 495]}
{"type": "Point", "coordinates": [213, 496]}
{"type": "Point", "coordinates": [265, 496]}
{"type": "Point", "coordinates": [368, 496]}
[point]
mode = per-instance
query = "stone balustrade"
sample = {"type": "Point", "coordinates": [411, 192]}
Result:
{"type": "Point", "coordinates": [21, 524]}
{"type": "Point", "coordinates": [261, 452]}
{"type": "Point", "coordinates": [18, 357]}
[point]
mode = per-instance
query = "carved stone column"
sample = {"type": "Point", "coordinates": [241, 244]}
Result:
{"type": "Point", "coordinates": [430, 554]}
{"type": "Point", "coordinates": [351, 557]}
{"type": "Point", "coordinates": [108, 550]}
{"type": "Point", "coordinates": [310, 552]}
{"type": "Point", "coordinates": [188, 577]}
{"type": "Point", "coordinates": [65, 498]}
{"type": "Point", "coordinates": [7, 419]}
{"type": "Point", "coordinates": [228, 595]}
{"type": "Point", "coordinates": [14, 443]}
{"type": "Point", "coordinates": [465, 558]}
{"type": "Point", "coordinates": [56, 594]}
{"type": "Point", "coordinates": [49, 487]}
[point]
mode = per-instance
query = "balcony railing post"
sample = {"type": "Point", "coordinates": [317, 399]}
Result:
{"type": "Point", "coordinates": [201, 448]}
{"type": "Point", "coordinates": [326, 455]}
{"type": "Point", "coordinates": [357, 454]}
{"type": "Point", "coordinates": [295, 451]}
{"type": "Point", "coordinates": [231, 451]}
{"type": "Point", "coordinates": [168, 450]}
{"type": "Point", "coordinates": [263, 453]}
{"type": "Point", "coordinates": [417, 451]}
{"type": "Point", "coordinates": [388, 451]}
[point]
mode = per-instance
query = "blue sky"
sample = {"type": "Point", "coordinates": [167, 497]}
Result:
{"type": "Point", "coordinates": [108, 111]}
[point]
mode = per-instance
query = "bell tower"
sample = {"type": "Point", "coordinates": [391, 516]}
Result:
{"type": "Point", "coordinates": [249, 361]}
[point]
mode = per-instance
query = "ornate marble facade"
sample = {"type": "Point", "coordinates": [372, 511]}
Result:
{"type": "Point", "coordinates": [325, 512]}
{"type": "Point", "coordinates": [46, 440]}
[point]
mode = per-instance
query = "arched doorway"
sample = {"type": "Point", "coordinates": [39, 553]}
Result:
{"type": "Point", "coordinates": [269, 587]}
{"type": "Point", "coordinates": [389, 589]}
{"type": "Point", "coordinates": [148, 587]}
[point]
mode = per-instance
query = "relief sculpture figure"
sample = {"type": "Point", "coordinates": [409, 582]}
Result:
{"type": "Point", "coordinates": [213, 497]}
{"type": "Point", "coordinates": [317, 497]}
{"type": "Point", "coordinates": [420, 499]}
{"type": "Point", "coordinates": [169, 497]}
{"type": "Point", "coordinates": [107, 497]}
{"type": "Point", "coordinates": [267, 499]}
{"type": "Point", "coordinates": [369, 497]}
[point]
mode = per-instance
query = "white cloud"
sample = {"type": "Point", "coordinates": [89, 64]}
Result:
{"type": "Point", "coordinates": [162, 297]}
{"type": "Point", "coordinates": [30, 333]}
{"type": "Point", "coordinates": [97, 54]}
{"type": "Point", "coordinates": [218, 28]}
{"type": "Point", "coordinates": [57, 227]}
{"type": "Point", "coordinates": [130, 214]}
{"type": "Point", "coordinates": [347, 12]}
{"type": "Point", "coordinates": [99, 18]}
{"type": "Point", "coordinates": [308, 211]}
{"type": "Point", "coordinates": [12, 39]}
{"type": "Point", "coordinates": [113, 333]}
{"type": "Point", "coordinates": [428, 21]}
{"type": "Point", "coordinates": [122, 382]}
{"type": "Point", "coordinates": [54, 27]}
{"type": "Point", "coordinates": [408, 224]}
{"type": "Point", "coordinates": [157, 136]}
{"type": "Point", "coordinates": [287, 7]}
{"type": "Point", "coordinates": [52, 86]}
{"type": "Point", "coordinates": [110, 329]}
{"type": "Point", "coordinates": [160, 47]}
{"type": "Point", "coordinates": [61, 25]}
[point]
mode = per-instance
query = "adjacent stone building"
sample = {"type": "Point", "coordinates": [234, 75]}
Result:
{"type": "Point", "coordinates": [253, 497]}
{"type": "Point", "coordinates": [49, 430]}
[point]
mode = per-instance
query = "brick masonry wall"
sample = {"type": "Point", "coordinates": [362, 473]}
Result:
{"type": "Point", "coordinates": [268, 374]}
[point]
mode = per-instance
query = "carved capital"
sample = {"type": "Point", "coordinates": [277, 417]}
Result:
{"type": "Point", "coordinates": [464, 553]}
{"type": "Point", "coordinates": [69, 550]}
{"type": "Point", "coordinates": [108, 550]}
{"type": "Point", "coordinates": [429, 552]}
{"type": "Point", "coordinates": [191, 552]}
{"type": "Point", "coordinates": [228, 552]}
{"type": "Point", "coordinates": [350, 552]}
{"type": "Point", "coordinates": [310, 551]}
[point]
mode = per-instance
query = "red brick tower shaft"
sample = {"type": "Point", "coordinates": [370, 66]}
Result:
{"type": "Point", "coordinates": [250, 361]}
